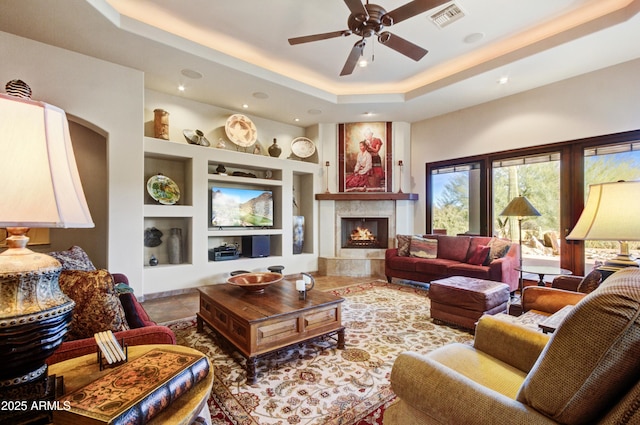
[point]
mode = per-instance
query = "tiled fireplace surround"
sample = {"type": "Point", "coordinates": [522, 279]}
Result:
{"type": "Point", "coordinates": [336, 260]}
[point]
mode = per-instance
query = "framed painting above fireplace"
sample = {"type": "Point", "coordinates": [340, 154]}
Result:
{"type": "Point", "coordinates": [365, 157]}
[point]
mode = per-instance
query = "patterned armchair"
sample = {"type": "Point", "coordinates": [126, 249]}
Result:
{"type": "Point", "coordinates": [588, 371]}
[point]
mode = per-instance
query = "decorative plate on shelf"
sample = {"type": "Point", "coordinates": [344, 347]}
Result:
{"type": "Point", "coordinates": [303, 147]}
{"type": "Point", "coordinates": [241, 130]}
{"type": "Point", "coordinates": [163, 189]}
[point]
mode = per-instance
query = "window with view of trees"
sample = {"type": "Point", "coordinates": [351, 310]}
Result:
{"type": "Point", "coordinates": [554, 178]}
{"type": "Point", "coordinates": [457, 192]}
{"type": "Point", "coordinates": [537, 178]}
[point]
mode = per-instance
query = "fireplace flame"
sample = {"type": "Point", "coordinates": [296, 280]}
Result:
{"type": "Point", "coordinates": [362, 234]}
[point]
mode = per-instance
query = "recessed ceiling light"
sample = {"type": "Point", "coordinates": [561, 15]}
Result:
{"type": "Point", "coordinates": [363, 63]}
{"type": "Point", "coordinates": [473, 38]}
{"type": "Point", "coordinates": [503, 80]}
{"type": "Point", "coordinates": [245, 106]}
{"type": "Point", "coordinates": [190, 73]}
{"type": "Point", "coordinates": [314, 111]}
{"type": "Point", "coordinates": [260, 95]}
{"type": "Point", "coordinates": [181, 87]}
{"type": "Point", "coordinates": [296, 119]}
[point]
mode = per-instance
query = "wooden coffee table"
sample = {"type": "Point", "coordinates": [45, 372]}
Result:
{"type": "Point", "coordinates": [258, 325]}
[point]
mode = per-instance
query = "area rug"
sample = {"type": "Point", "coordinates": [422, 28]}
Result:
{"type": "Point", "coordinates": [316, 383]}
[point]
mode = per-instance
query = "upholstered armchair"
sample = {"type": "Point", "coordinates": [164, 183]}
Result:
{"type": "Point", "coordinates": [564, 290]}
{"type": "Point", "coordinates": [588, 371]}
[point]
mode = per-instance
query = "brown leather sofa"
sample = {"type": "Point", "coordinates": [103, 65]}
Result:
{"type": "Point", "coordinates": [588, 371]}
{"type": "Point", "coordinates": [452, 260]}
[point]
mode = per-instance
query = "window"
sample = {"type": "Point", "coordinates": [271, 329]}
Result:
{"type": "Point", "coordinates": [456, 198]}
{"type": "Point", "coordinates": [536, 177]}
{"type": "Point", "coordinates": [468, 194]}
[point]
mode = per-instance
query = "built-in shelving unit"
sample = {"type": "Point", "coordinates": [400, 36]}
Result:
{"type": "Point", "coordinates": [195, 170]}
{"type": "Point", "coordinates": [221, 236]}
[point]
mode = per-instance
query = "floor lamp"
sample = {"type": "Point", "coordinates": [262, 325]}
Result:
{"type": "Point", "coordinates": [520, 207]}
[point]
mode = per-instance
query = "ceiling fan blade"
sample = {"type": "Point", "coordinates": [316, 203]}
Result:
{"type": "Point", "coordinates": [410, 9]}
{"type": "Point", "coordinates": [401, 45]}
{"type": "Point", "coordinates": [357, 8]}
{"type": "Point", "coordinates": [318, 37]}
{"type": "Point", "coordinates": [352, 60]}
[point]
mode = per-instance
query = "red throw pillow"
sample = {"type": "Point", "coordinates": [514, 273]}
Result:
{"type": "Point", "coordinates": [480, 255]}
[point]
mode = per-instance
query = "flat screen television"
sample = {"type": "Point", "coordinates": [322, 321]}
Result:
{"type": "Point", "coordinates": [234, 207]}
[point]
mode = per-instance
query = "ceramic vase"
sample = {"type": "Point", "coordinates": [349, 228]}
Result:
{"type": "Point", "coordinates": [174, 246]}
{"type": "Point", "coordinates": [298, 234]}
{"type": "Point", "coordinates": [274, 149]}
{"type": "Point", "coordinates": [161, 124]}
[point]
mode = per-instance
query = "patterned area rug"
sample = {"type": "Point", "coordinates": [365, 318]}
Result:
{"type": "Point", "coordinates": [317, 383]}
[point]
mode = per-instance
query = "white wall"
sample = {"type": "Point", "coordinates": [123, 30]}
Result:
{"type": "Point", "coordinates": [110, 97]}
{"type": "Point", "coordinates": [602, 102]}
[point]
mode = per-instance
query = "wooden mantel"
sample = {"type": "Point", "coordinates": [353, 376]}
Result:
{"type": "Point", "coordinates": [367, 196]}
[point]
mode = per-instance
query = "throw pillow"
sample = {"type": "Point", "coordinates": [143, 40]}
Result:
{"type": "Point", "coordinates": [403, 245]}
{"type": "Point", "coordinates": [480, 255]}
{"type": "Point", "coordinates": [128, 301]}
{"type": "Point", "coordinates": [97, 305]}
{"type": "Point", "coordinates": [75, 258]}
{"type": "Point", "coordinates": [498, 248]}
{"type": "Point", "coordinates": [590, 282]}
{"type": "Point", "coordinates": [423, 247]}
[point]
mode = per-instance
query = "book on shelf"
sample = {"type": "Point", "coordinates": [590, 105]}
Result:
{"type": "Point", "coordinates": [136, 391]}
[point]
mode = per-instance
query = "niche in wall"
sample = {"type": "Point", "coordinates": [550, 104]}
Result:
{"type": "Point", "coordinates": [90, 149]}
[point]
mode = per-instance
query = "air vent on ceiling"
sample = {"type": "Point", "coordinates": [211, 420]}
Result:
{"type": "Point", "coordinates": [447, 16]}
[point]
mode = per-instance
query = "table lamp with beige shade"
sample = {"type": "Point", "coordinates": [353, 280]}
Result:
{"type": "Point", "coordinates": [611, 213]}
{"type": "Point", "coordinates": [40, 188]}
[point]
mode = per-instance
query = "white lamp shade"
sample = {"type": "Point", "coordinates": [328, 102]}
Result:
{"type": "Point", "coordinates": [40, 182]}
{"type": "Point", "coordinates": [612, 213]}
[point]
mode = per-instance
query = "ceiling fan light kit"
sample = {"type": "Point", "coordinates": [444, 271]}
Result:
{"type": "Point", "coordinates": [367, 20]}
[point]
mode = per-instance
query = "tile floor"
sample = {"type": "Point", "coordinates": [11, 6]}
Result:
{"type": "Point", "coordinates": [180, 306]}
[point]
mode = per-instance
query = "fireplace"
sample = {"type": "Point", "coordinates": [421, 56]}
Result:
{"type": "Point", "coordinates": [364, 232]}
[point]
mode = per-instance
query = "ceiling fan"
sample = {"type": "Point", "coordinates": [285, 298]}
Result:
{"type": "Point", "coordinates": [366, 20]}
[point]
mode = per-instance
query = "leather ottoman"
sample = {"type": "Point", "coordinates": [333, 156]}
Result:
{"type": "Point", "coordinates": [462, 300]}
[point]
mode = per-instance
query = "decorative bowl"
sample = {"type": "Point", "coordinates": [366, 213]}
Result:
{"type": "Point", "coordinates": [254, 282]}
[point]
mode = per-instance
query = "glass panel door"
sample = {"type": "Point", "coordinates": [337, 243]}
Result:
{"type": "Point", "coordinates": [536, 177]}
